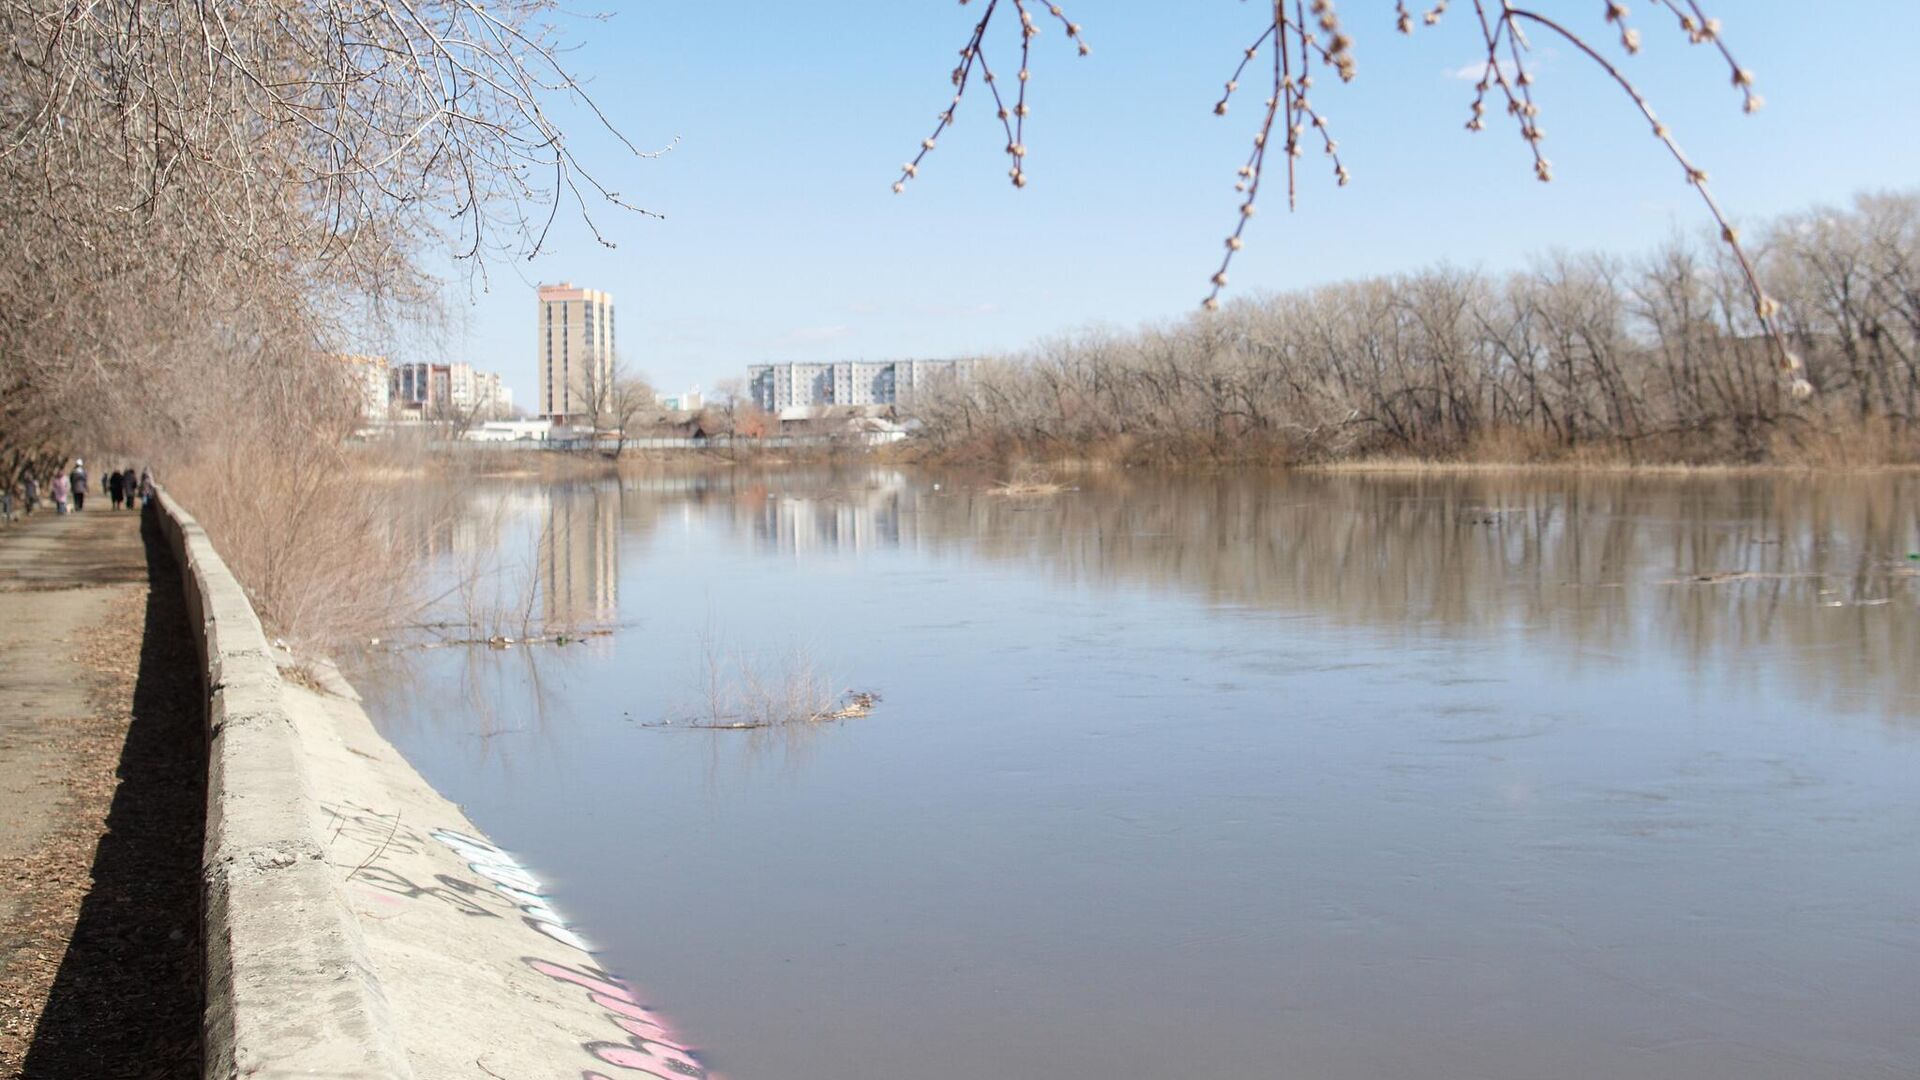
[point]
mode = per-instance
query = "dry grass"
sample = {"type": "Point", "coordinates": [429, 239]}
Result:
{"type": "Point", "coordinates": [1870, 445]}
{"type": "Point", "coordinates": [1645, 468]}
{"type": "Point", "coordinates": [303, 675]}
{"type": "Point", "coordinates": [744, 692]}
{"type": "Point", "coordinates": [322, 539]}
{"type": "Point", "coordinates": [1028, 481]}
{"type": "Point", "coordinates": [1846, 443]}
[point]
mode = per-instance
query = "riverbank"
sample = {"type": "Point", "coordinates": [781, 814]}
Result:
{"type": "Point", "coordinates": [1869, 446]}
{"type": "Point", "coordinates": [1394, 465]}
{"type": "Point", "coordinates": [357, 924]}
{"type": "Point", "coordinates": [340, 916]}
{"type": "Point", "coordinates": [480, 972]}
{"type": "Point", "coordinates": [1051, 477]}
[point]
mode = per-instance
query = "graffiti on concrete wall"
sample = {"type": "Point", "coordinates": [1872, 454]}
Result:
{"type": "Point", "coordinates": [356, 824]}
{"type": "Point", "coordinates": [649, 1047]}
{"type": "Point", "coordinates": [512, 881]}
{"type": "Point", "coordinates": [640, 1043]}
{"type": "Point", "coordinates": [463, 896]}
{"type": "Point", "coordinates": [382, 835]}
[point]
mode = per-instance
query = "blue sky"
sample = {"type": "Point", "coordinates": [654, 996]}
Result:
{"type": "Point", "coordinates": [782, 240]}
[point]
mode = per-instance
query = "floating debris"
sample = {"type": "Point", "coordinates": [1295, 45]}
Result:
{"type": "Point", "coordinates": [854, 704]}
{"type": "Point", "coordinates": [858, 703]}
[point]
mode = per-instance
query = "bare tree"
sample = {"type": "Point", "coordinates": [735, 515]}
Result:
{"type": "Point", "coordinates": [202, 204]}
{"type": "Point", "coordinates": [729, 394]}
{"type": "Point", "coordinates": [200, 187]}
{"type": "Point", "coordinates": [596, 397]}
{"type": "Point", "coordinates": [630, 400]}
{"type": "Point", "coordinates": [1655, 359]}
{"type": "Point", "coordinates": [451, 421]}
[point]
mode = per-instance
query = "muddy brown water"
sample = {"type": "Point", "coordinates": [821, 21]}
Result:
{"type": "Point", "coordinates": [1332, 777]}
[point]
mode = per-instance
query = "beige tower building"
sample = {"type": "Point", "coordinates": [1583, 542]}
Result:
{"type": "Point", "coordinates": [575, 349]}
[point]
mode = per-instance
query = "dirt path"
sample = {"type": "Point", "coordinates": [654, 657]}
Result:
{"type": "Point", "coordinates": [102, 772]}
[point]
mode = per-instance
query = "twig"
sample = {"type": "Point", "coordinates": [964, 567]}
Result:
{"type": "Point", "coordinates": [379, 851]}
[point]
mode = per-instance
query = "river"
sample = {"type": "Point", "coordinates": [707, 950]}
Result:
{"type": "Point", "coordinates": [1320, 776]}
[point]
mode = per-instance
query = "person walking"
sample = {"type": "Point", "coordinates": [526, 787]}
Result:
{"type": "Point", "coordinates": [116, 484]}
{"type": "Point", "coordinates": [77, 484]}
{"type": "Point", "coordinates": [146, 486]}
{"type": "Point", "coordinates": [33, 493]}
{"type": "Point", "coordinates": [62, 490]}
{"type": "Point", "coordinates": [130, 483]}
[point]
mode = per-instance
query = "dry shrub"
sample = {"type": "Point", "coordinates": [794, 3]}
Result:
{"type": "Point", "coordinates": [1511, 445]}
{"type": "Point", "coordinates": [1028, 481]}
{"type": "Point", "coordinates": [743, 691]}
{"type": "Point", "coordinates": [309, 532]}
{"type": "Point", "coordinates": [1841, 443]}
{"type": "Point", "coordinates": [327, 537]}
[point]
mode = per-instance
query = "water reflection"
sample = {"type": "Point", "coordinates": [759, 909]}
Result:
{"type": "Point", "coordinates": [1812, 570]}
{"type": "Point", "coordinates": [579, 555]}
{"type": "Point", "coordinates": [1811, 574]}
{"type": "Point", "coordinates": [849, 521]}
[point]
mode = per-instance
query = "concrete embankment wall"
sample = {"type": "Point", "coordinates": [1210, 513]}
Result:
{"type": "Point", "coordinates": [358, 925]}
{"type": "Point", "coordinates": [290, 990]}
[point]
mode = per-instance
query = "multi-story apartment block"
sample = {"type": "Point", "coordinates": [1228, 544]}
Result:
{"type": "Point", "coordinates": [493, 398]}
{"type": "Point", "coordinates": [419, 387]}
{"type": "Point", "coordinates": [371, 379]}
{"type": "Point", "coordinates": [847, 382]}
{"type": "Point", "coordinates": [463, 391]}
{"type": "Point", "coordinates": [445, 392]}
{"type": "Point", "coordinates": [575, 349]}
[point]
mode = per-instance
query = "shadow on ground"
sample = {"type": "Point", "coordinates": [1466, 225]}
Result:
{"type": "Point", "coordinates": [127, 1000]}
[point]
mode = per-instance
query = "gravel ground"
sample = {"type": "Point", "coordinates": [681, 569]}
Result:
{"type": "Point", "coordinates": [102, 755]}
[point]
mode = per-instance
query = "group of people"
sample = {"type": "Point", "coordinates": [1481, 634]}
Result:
{"type": "Point", "coordinates": [125, 488]}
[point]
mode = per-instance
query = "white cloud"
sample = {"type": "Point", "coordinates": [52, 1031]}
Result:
{"type": "Point", "coordinates": [957, 311]}
{"type": "Point", "coordinates": [807, 335]}
{"type": "Point", "coordinates": [1472, 72]}
{"type": "Point", "coordinates": [923, 311]}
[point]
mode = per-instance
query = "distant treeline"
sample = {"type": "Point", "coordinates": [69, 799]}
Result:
{"type": "Point", "coordinates": [1580, 357]}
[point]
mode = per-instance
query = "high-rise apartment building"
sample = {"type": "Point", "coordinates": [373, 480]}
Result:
{"type": "Point", "coordinates": [575, 349]}
{"type": "Point", "coordinates": [847, 382]}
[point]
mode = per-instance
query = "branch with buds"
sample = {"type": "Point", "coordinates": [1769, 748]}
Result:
{"type": "Point", "coordinates": [1297, 34]}
{"type": "Point", "coordinates": [1502, 30]}
{"type": "Point", "coordinates": [1013, 120]}
{"type": "Point", "coordinates": [1294, 48]}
